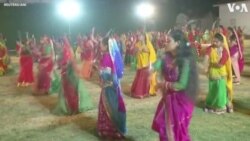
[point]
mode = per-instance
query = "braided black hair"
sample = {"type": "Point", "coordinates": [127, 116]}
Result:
{"type": "Point", "coordinates": [185, 53]}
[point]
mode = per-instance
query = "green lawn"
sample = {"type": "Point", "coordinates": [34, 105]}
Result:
{"type": "Point", "coordinates": [28, 118]}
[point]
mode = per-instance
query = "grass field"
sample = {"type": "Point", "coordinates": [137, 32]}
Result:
{"type": "Point", "coordinates": [28, 118]}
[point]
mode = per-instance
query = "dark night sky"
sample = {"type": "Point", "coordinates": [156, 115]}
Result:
{"type": "Point", "coordinates": [103, 14]}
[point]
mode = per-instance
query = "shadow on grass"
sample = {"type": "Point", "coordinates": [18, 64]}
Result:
{"type": "Point", "coordinates": [94, 78]}
{"type": "Point", "coordinates": [12, 70]}
{"type": "Point", "coordinates": [246, 74]}
{"type": "Point", "coordinates": [84, 122]}
{"type": "Point", "coordinates": [88, 124]}
{"type": "Point", "coordinates": [126, 89]}
{"type": "Point", "coordinates": [93, 131]}
{"type": "Point", "coordinates": [47, 101]}
{"type": "Point", "coordinates": [247, 63]}
{"type": "Point", "coordinates": [241, 107]}
{"type": "Point", "coordinates": [200, 102]}
{"type": "Point", "coordinates": [126, 139]}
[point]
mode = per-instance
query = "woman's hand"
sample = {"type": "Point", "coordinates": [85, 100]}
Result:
{"type": "Point", "coordinates": [160, 85]}
{"type": "Point", "coordinates": [139, 50]}
{"type": "Point", "coordinates": [215, 65]}
{"type": "Point", "coordinates": [168, 85]}
{"type": "Point", "coordinates": [107, 84]}
{"type": "Point", "coordinates": [100, 83]}
{"type": "Point", "coordinates": [145, 49]}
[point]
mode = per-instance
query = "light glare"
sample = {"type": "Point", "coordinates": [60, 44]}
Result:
{"type": "Point", "coordinates": [69, 9]}
{"type": "Point", "coordinates": [145, 10]}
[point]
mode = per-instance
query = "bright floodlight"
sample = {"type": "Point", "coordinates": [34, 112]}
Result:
{"type": "Point", "coordinates": [145, 10]}
{"type": "Point", "coordinates": [69, 9]}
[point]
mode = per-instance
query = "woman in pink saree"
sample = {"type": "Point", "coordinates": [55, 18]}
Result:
{"type": "Point", "coordinates": [179, 90]}
{"type": "Point", "coordinates": [236, 53]}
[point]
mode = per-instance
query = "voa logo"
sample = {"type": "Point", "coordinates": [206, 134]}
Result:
{"type": "Point", "coordinates": [233, 7]}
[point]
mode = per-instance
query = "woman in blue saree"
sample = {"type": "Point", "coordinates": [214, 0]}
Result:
{"type": "Point", "coordinates": [112, 111]}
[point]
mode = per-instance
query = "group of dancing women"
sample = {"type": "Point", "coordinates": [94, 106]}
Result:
{"type": "Point", "coordinates": [166, 63]}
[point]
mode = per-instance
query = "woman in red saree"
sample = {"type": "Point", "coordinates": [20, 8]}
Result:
{"type": "Point", "coordinates": [25, 77]}
{"type": "Point", "coordinates": [45, 67]}
{"type": "Point", "coordinates": [128, 52]}
{"type": "Point", "coordinates": [179, 89]}
{"type": "Point", "coordinates": [193, 38]}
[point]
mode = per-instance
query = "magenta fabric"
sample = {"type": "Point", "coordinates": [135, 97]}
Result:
{"type": "Point", "coordinates": [106, 61]}
{"type": "Point", "coordinates": [233, 50]}
{"type": "Point", "coordinates": [174, 111]}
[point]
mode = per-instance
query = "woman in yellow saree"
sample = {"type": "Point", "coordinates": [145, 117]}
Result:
{"type": "Point", "coordinates": [144, 82]}
{"type": "Point", "coordinates": [220, 76]}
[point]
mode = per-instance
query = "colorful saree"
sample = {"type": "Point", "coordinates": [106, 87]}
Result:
{"type": "Point", "coordinates": [175, 109]}
{"type": "Point", "coordinates": [128, 53]}
{"type": "Point", "coordinates": [194, 39]}
{"type": "Point", "coordinates": [237, 57]}
{"type": "Point", "coordinates": [3, 58]}
{"type": "Point", "coordinates": [144, 62]}
{"type": "Point", "coordinates": [26, 68]}
{"type": "Point", "coordinates": [217, 96]}
{"type": "Point", "coordinates": [228, 65]}
{"type": "Point", "coordinates": [112, 111]}
{"type": "Point", "coordinates": [88, 58]}
{"type": "Point", "coordinates": [45, 68]}
{"type": "Point", "coordinates": [130, 56]}
{"type": "Point", "coordinates": [55, 83]}
{"type": "Point", "coordinates": [229, 80]}
{"type": "Point", "coordinates": [73, 96]}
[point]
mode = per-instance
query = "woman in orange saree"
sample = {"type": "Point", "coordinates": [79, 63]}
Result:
{"type": "Point", "coordinates": [88, 55]}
